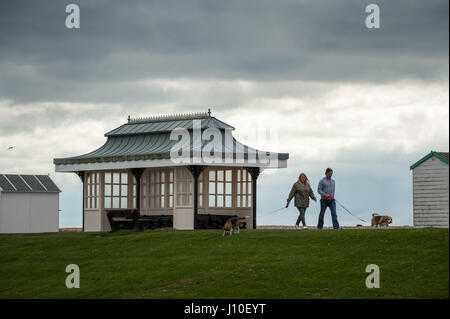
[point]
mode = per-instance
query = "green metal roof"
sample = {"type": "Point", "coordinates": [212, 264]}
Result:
{"type": "Point", "coordinates": [147, 139]}
{"type": "Point", "coordinates": [167, 124]}
{"type": "Point", "coordinates": [440, 155]}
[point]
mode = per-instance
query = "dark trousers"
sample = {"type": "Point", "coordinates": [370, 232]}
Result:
{"type": "Point", "coordinates": [324, 203]}
{"type": "Point", "coordinates": [301, 216]}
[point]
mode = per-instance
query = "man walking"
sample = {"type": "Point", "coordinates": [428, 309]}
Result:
{"type": "Point", "coordinates": [326, 190]}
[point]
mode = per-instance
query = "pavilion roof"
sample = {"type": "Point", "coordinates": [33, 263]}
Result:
{"type": "Point", "coordinates": [146, 139]}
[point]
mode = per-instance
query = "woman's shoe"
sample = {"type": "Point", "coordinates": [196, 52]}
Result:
{"type": "Point", "coordinates": [305, 228]}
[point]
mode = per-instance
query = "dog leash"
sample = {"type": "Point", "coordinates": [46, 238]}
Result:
{"type": "Point", "coordinates": [274, 211]}
{"type": "Point", "coordinates": [350, 212]}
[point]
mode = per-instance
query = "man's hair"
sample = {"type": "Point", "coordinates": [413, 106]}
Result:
{"type": "Point", "coordinates": [328, 170]}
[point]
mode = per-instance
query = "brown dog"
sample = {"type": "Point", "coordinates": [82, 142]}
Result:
{"type": "Point", "coordinates": [233, 225]}
{"type": "Point", "coordinates": [228, 228]}
{"type": "Point", "coordinates": [380, 221]}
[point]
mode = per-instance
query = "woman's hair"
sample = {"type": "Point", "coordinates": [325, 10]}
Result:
{"type": "Point", "coordinates": [306, 179]}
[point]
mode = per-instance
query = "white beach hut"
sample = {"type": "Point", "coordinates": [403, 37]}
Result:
{"type": "Point", "coordinates": [28, 204]}
{"type": "Point", "coordinates": [430, 190]}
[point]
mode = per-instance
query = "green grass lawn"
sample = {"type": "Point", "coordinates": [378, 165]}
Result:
{"type": "Point", "coordinates": [167, 263]}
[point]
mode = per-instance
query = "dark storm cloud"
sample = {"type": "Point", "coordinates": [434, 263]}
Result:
{"type": "Point", "coordinates": [121, 42]}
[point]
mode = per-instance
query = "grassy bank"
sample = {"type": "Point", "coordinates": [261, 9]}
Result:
{"type": "Point", "coordinates": [414, 263]}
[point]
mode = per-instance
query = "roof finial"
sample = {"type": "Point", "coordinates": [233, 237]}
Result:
{"type": "Point", "coordinates": [209, 111]}
{"type": "Point", "coordinates": [129, 119]}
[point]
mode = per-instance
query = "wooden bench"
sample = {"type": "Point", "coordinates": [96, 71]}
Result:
{"type": "Point", "coordinates": [131, 219]}
{"type": "Point", "coordinates": [211, 221]}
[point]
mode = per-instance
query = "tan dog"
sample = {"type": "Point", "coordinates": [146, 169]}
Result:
{"type": "Point", "coordinates": [233, 225]}
{"type": "Point", "coordinates": [228, 228]}
{"type": "Point", "coordinates": [380, 221]}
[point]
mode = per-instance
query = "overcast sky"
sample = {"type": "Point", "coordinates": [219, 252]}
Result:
{"type": "Point", "coordinates": [366, 102]}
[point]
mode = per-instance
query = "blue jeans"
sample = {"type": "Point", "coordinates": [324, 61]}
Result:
{"type": "Point", "coordinates": [301, 216]}
{"type": "Point", "coordinates": [324, 203]}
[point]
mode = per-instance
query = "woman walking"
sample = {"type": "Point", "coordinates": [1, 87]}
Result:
{"type": "Point", "coordinates": [302, 191]}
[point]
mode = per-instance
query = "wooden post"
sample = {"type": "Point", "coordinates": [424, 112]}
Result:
{"type": "Point", "coordinates": [137, 173]}
{"type": "Point", "coordinates": [254, 173]}
{"type": "Point", "coordinates": [81, 176]}
{"type": "Point", "coordinates": [196, 170]}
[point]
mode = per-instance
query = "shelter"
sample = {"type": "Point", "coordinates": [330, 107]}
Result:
{"type": "Point", "coordinates": [188, 167]}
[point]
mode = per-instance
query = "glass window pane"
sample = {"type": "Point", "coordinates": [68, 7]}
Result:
{"type": "Point", "coordinates": [219, 188]}
{"type": "Point", "coordinates": [115, 202]}
{"type": "Point", "coordinates": [228, 201]}
{"type": "Point", "coordinates": [238, 188]}
{"type": "Point", "coordinates": [228, 188]}
{"type": "Point", "coordinates": [249, 187]}
{"type": "Point", "coordinates": [238, 174]}
{"type": "Point", "coordinates": [162, 189]}
{"type": "Point", "coordinates": [107, 190]}
{"type": "Point", "coordinates": [124, 178]}
{"type": "Point", "coordinates": [219, 201]}
{"type": "Point", "coordinates": [171, 176]}
{"type": "Point", "coordinates": [249, 200]}
{"type": "Point", "coordinates": [171, 201]}
{"type": "Point", "coordinates": [249, 177]}
{"type": "Point", "coordinates": [220, 175]}
{"type": "Point", "coordinates": [228, 175]}
{"type": "Point", "coordinates": [124, 190]}
{"type": "Point", "coordinates": [123, 202]}
{"type": "Point", "coordinates": [107, 202]}
{"type": "Point", "coordinates": [244, 188]}
{"type": "Point", "coordinates": [116, 190]}
{"type": "Point", "coordinates": [162, 202]}
{"type": "Point", "coordinates": [238, 201]}
{"type": "Point", "coordinates": [97, 190]}
{"type": "Point", "coordinates": [244, 176]}
{"type": "Point", "coordinates": [96, 202]}
{"type": "Point", "coordinates": [212, 201]}
{"type": "Point", "coordinates": [171, 189]}
{"type": "Point", "coordinates": [116, 178]}
{"type": "Point", "coordinates": [107, 177]}
{"type": "Point", "coordinates": [212, 175]}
